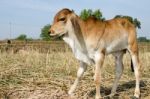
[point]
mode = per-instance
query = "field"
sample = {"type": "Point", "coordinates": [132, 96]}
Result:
{"type": "Point", "coordinates": [47, 70]}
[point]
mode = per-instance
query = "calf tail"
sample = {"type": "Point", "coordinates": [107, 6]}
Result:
{"type": "Point", "coordinates": [132, 68]}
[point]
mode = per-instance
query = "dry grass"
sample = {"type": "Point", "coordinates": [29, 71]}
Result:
{"type": "Point", "coordinates": [34, 75]}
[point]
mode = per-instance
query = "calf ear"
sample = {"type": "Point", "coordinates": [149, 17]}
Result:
{"type": "Point", "coordinates": [75, 24]}
{"type": "Point", "coordinates": [77, 31]}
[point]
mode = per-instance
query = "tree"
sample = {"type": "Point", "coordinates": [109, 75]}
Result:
{"type": "Point", "coordinates": [44, 32]}
{"type": "Point", "coordinates": [45, 35]}
{"type": "Point", "coordinates": [98, 15]}
{"type": "Point", "coordinates": [134, 21]}
{"type": "Point", "coordinates": [22, 37]}
{"type": "Point", "coordinates": [137, 23]}
{"type": "Point", "coordinates": [88, 13]}
{"type": "Point", "coordinates": [85, 14]}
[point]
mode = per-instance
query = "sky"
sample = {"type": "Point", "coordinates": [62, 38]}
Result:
{"type": "Point", "coordinates": [29, 16]}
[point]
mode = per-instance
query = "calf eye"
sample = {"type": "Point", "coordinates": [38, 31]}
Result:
{"type": "Point", "coordinates": [62, 19]}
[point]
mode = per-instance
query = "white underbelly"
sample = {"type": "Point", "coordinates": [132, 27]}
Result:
{"type": "Point", "coordinates": [116, 45]}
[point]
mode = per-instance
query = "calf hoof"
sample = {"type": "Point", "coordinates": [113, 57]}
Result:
{"type": "Point", "coordinates": [112, 96]}
{"type": "Point", "coordinates": [134, 97]}
{"type": "Point", "coordinates": [98, 97]}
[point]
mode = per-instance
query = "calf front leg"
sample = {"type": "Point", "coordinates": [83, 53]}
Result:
{"type": "Point", "coordinates": [81, 70]}
{"type": "Point", "coordinates": [99, 58]}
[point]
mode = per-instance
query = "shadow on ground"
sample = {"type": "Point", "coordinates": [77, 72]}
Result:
{"type": "Point", "coordinates": [124, 91]}
{"type": "Point", "coordinates": [123, 88]}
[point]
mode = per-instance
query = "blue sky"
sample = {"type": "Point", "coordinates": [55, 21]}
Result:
{"type": "Point", "coordinates": [29, 16]}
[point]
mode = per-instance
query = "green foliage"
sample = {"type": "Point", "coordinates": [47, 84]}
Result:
{"type": "Point", "coordinates": [135, 21]}
{"type": "Point", "coordinates": [22, 37]}
{"type": "Point", "coordinates": [98, 15]}
{"type": "Point", "coordinates": [44, 32]}
{"type": "Point", "coordinates": [87, 13]}
{"type": "Point", "coordinates": [143, 39]}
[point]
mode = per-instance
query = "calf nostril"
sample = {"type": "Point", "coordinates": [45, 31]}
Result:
{"type": "Point", "coordinates": [49, 32]}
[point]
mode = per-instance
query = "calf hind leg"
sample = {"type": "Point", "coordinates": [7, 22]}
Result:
{"type": "Point", "coordinates": [136, 67]}
{"type": "Point", "coordinates": [119, 70]}
{"type": "Point", "coordinates": [133, 49]}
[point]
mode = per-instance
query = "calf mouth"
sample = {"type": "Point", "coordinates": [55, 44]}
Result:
{"type": "Point", "coordinates": [56, 36]}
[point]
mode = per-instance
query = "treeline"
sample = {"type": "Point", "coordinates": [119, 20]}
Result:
{"type": "Point", "coordinates": [143, 39]}
{"type": "Point", "coordinates": [24, 37]}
